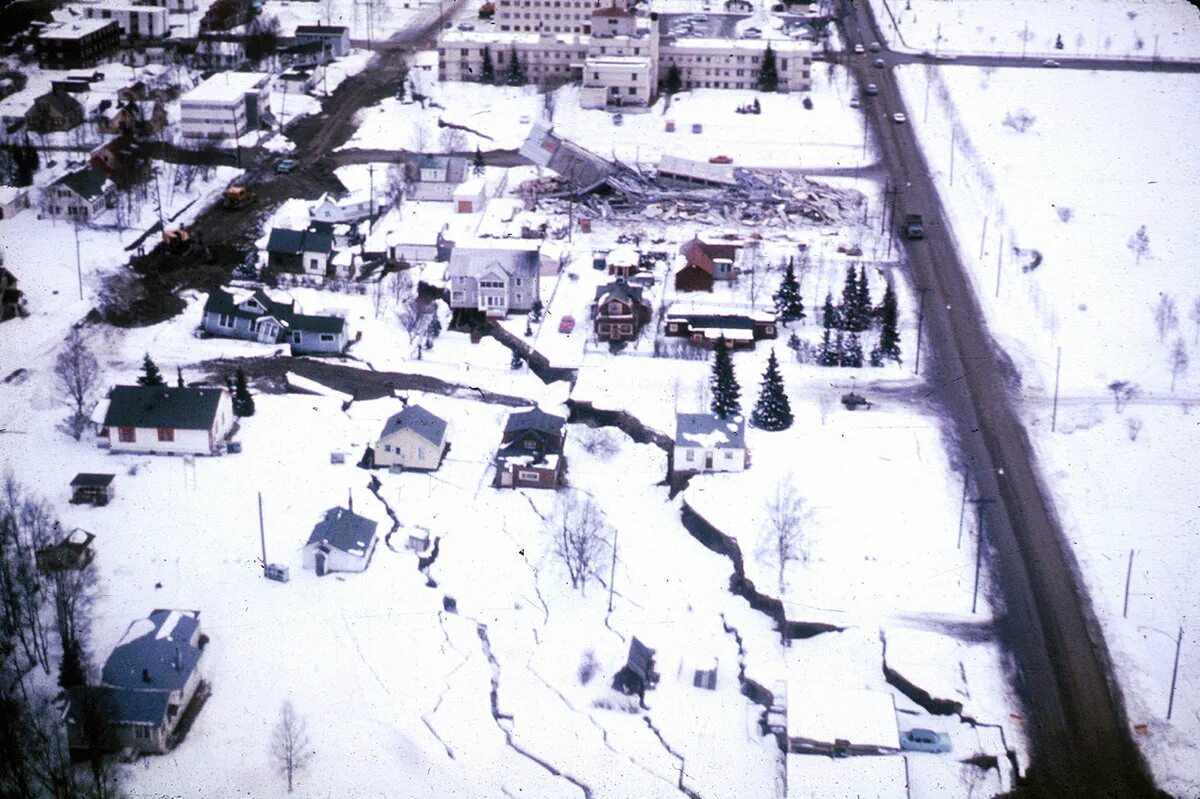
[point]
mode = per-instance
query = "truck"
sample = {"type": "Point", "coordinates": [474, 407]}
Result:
{"type": "Point", "coordinates": [237, 196]}
{"type": "Point", "coordinates": [913, 227]}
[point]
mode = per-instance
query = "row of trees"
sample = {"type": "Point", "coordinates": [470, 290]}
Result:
{"type": "Point", "coordinates": [772, 410]}
{"type": "Point", "coordinates": [841, 343]}
{"type": "Point", "coordinates": [513, 74]}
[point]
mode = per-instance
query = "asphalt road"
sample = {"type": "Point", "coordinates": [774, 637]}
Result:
{"type": "Point", "coordinates": [1076, 723]}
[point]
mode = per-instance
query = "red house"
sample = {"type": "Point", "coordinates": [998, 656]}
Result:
{"type": "Point", "coordinates": [618, 311]}
{"type": "Point", "coordinates": [705, 262]}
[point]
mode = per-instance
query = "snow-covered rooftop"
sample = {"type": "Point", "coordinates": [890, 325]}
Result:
{"type": "Point", "coordinates": [819, 777]}
{"type": "Point", "coordinates": [74, 29]}
{"type": "Point", "coordinates": [824, 714]}
{"type": "Point", "coordinates": [226, 87]}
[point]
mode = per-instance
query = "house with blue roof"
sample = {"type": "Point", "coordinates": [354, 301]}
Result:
{"type": "Point", "coordinates": [342, 541]}
{"type": "Point", "coordinates": [149, 685]}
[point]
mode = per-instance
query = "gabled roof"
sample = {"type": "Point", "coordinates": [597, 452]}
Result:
{"type": "Point", "coordinates": [714, 321]}
{"type": "Point", "coordinates": [156, 653]}
{"type": "Point", "coordinates": [475, 261]}
{"type": "Point", "coordinates": [619, 290]}
{"type": "Point", "coordinates": [327, 30]}
{"type": "Point", "coordinates": [226, 302]}
{"type": "Point", "coordinates": [317, 324]}
{"type": "Point", "coordinates": [91, 480]}
{"type": "Point", "coordinates": [455, 166]}
{"type": "Point", "coordinates": [119, 705]}
{"type": "Point", "coordinates": [294, 242]}
{"type": "Point", "coordinates": [184, 408]}
{"type": "Point", "coordinates": [420, 421]}
{"type": "Point", "coordinates": [533, 420]}
{"type": "Point", "coordinates": [345, 530]}
{"type": "Point", "coordinates": [612, 11]}
{"type": "Point", "coordinates": [641, 658]}
{"type": "Point", "coordinates": [706, 430]}
{"type": "Point", "coordinates": [60, 101]}
{"type": "Point", "coordinates": [86, 182]}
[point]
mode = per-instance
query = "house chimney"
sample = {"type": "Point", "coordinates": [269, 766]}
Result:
{"type": "Point", "coordinates": [349, 500]}
{"type": "Point", "coordinates": [145, 675]}
{"type": "Point", "coordinates": [177, 657]}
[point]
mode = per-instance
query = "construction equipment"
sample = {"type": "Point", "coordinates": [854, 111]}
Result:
{"type": "Point", "coordinates": [237, 196]}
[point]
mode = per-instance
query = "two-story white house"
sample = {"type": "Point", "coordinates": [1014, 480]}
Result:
{"type": "Point", "coordinates": [495, 278]}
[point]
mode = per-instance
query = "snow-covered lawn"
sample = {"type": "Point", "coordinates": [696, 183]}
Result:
{"type": "Point", "coordinates": [1089, 28]}
{"type": "Point", "coordinates": [366, 20]}
{"type": "Point", "coordinates": [1119, 479]}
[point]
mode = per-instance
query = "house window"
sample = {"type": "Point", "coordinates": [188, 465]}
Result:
{"type": "Point", "coordinates": [691, 455]}
{"type": "Point", "coordinates": [728, 455]}
{"type": "Point", "coordinates": [387, 447]}
{"type": "Point", "coordinates": [420, 452]}
{"type": "Point", "coordinates": [326, 337]}
{"type": "Point", "coordinates": [623, 328]}
{"type": "Point", "coordinates": [141, 732]}
{"type": "Point", "coordinates": [614, 308]}
{"type": "Point", "coordinates": [603, 327]}
{"type": "Point", "coordinates": [126, 435]}
{"type": "Point", "coordinates": [312, 265]}
{"type": "Point", "coordinates": [166, 434]}
{"type": "Point", "coordinates": [529, 476]}
{"type": "Point", "coordinates": [297, 337]}
{"type": "Point", "coordinates": [225, 321]}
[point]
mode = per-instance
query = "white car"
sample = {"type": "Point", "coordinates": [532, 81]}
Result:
{"type": "Point", "coordinates": [899, 118]}
{"type": "Point", "coordinates": [859, 49]}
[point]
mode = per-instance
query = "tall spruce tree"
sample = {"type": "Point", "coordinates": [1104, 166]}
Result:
{"type": "Point", "coordinates": [863, 302]}
{"type": "Point", "coordinates": [830, 316]}
{"type": "Point", "coordinates": [849, 308]}
{"type": "Point", "coordinates": [772, 411]}
{"type": "Point", "coordinates": [515, 75]}
{"type": "Point", "coordinates": [725, 388]}
{"type": "Point", "coordinates": [673, 82]}
{"type": "Point", "coordinates": [889, 333]}
{"type": "Point", "coordinates": [828, 354]}
{"type": "Point", "coordinates": [487, 70]}
{"type": "Point", "coordinates": [478, 166]}
{"type": "Point", "coordinates": [150, 375]}
{"type": "Point", "coordinates": [789, 305]}
{"type": "Point", "coordinates": [243, 402]}
{"type": "Point", "coordinates": [768, 73]}
{"type": "Point", "coordinates": [852, 354]}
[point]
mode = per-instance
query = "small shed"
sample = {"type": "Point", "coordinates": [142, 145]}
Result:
{"type": "Point", "coordinates": [92, 487]}
{"type": "Point", "coordinates": [343, 541]}
{"type": "Point", "coordinates": [623, 262]}
{"type": "Point", "coordinates": [471, 196]}
{"type": "Point", "coordinates": [73, 552]}
{"type": "Point", "coordinates": [638, 674]}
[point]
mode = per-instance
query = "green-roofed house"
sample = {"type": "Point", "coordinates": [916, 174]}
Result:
{"type": "Point", "coordinates": [165, 420]}
{"type": "Point", "coordinates": [255, 316]}
{"type": "Point", "coordinates": [81, 196]}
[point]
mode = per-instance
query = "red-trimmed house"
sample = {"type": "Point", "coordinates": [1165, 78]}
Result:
{"type": "Point", "coordinates": [618, 311]}
{"type": "Point", "coordinates": [166, 420]}
{"type": "Point", "coordinates": [531, 451]}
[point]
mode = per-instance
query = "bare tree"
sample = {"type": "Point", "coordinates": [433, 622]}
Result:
{"type": "Point", "coordinates": [453, 140]}
{"type": "Point", "coordinates": [290, 745]}
{"type": "Point", "coordinates": [783, 534]}
{"type": "Point", "coordinates": [419, 138]}
{"type": "Point", "coordinates": [1165, 317]}
{"type": "Point", "coordinates": [77, 373]}
{"type": "Point", "coordinates": [378, 295]}
{"type": "Point", "coordinates": [397, 184]}
{"type": "Point", "coordinates": [1133, 426]}
{"type": "Point", "coordinates": [1178, 361]}
{"type": "Point", "coordinates": [1123, 391]}
{"type": "Point", "coordinates": [580, 537]}
{"type": "Point", "coordinates": [1194, 315]}
{"type": "Point", "coordinates": [1139, 244]}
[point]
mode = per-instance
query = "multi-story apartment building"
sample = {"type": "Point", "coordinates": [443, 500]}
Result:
{"type": "Point", "coordinates": [225, 106]}
{"type": "Point", "coordinates": [137, 22]}
{"type": "Point", "coordinates": [620, 59]}
{"type": "Point", "coordinates": [72, 45]}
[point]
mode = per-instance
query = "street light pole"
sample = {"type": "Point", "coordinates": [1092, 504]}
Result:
{"type": "Point", "coordinates": [1174, 672]}
{"type": "Point", "coordinates": [979, 503]}
{"type": "Point", "coordinates": [920, 325]}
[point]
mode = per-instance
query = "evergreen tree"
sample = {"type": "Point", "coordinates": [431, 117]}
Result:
{"type": "Point", "coordinates": [852, 354]}
{"type": "Point", "coordinates": [828, 354]}
{"type": "Point", "coordinates": [772, 411]}
{"type": "Point", "coordinates": [757, 106]}
{"type": "Point", "coordinates": [862, 305]}
{"type": "Point", "coordinates": [789, 305]}
{"type": "Point", "coordinates": [793, 342]}
{"type": "Point", "coordinates": [478, 166]}
{"type": "Point", "coordinates": [435, 327]}
{"type": "Point", "coordinates": [535, 311]}
{"type": "Point", "coordinates": [516, 361]}
{"type": "Point", "coordinates": [243, 403]}
{"type": "Point", "coordinates": [889, 334]}
{"type": "Point", "coordinates": [830, 317]}
{"type": "Point", "coordinates": [150, 374]}
{"type": "Point", "coordinates": [515, 75]}
{"type": "Point", "coordinates": [673, 82]}
{"type": "Point", "coordinates": [849, 308]}
{"type": "Point", "coordinates": [725, 388]}
{"type": "Point", "coordinates": [876, 357]}
{"type": "Point", "coordinates": [768, 74]}
{"type": "Point", "coordinates": [487, 72]}
{"type": "Point", "coordinates": [179, 377]}
{"type": "Point", "coordinates": [71, 673]}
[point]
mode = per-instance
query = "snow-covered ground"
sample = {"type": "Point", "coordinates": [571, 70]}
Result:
{"type": "Point", "coordinates": [1139, 29]}
{"type": "Point", "coordinates": [1120, 479]}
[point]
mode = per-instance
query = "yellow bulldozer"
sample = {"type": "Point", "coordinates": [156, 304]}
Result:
{"type": "Point", "coordinates": [237, 196]}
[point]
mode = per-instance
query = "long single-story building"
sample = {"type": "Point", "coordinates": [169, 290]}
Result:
{"type": "Point", "coordinates": [165, 420]}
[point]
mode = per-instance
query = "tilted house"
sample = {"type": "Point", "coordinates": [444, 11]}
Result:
{"type": "Point", "coordinates": [72, 553]}
{"type": "Point", "coordinates": [150, 682]}
{"type": "Point", "coordinates": [303, 252]}
{"type": "Point", "coordinates": [494, 280]}
{"type": "Point", "coordinates": [414, 438]}
{"type": "Point", "coordinates": [619, 311]}
{"type": "Point", "coordinates": [81, 195]}
{"type": "Point", "coordinates": [638, 674]}
{"type": "Point", "coordinates": [706, 443]}
{"type": "Point", "coordinates": [354, 207]}
{"type": "Point", "coordinates": [531, 451]}
{"type": "Point", "coordinates": [342, 541]}
{"type": "Point", "coordinates": [254, 316]}
{"type": "Point", "coordinates": [166, 420]}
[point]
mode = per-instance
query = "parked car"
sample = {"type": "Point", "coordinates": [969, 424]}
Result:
{"type": "Point", "coordinates": [466, 26]}
{"type": "Point", "coordinates": [859, 49]}
{"type": "Point", "coordinates": [920, 740]}
{"type": "Point", "coordinates": [1050, 62]}
{"type": "Point", "coordinates": [871, 90]}
{"type": "Point", "coordinates": [618, 119]}
{"type": "Point", "coordinates": [855, 102]}
{"type": "Point", "coordinates": [720, 159]}
{"type": "Point", "coordinates": [879, 63]}
{"type": "Point", "coordinates": [448, 25]}
{"type": "Point", "coordinates": [899, 118]}
{"type": "Point", "coordinates": [566, 324]}
{"type": "Point", "coordinates": [285, 166]}
{"type": "Point", "coordinates": [875, 48]}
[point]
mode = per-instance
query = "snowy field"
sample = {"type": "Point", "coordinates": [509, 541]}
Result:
{"type": "Point", "coordinates": [1137, 29]}
{"type": "Point", "coordinates": [1094, 294]}
{"type": "Point", "coordinates": [366, 19]}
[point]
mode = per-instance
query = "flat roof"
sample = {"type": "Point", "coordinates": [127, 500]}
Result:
{"type": "Point", "coordinates": [75, 29]}
{"type": "Point", "coordinates": [226, 87]}
{"type": "Point", "coordinates": [513, 37]}
{"type": "Point", "coordinates": [820, 777]}
{"type": "Point", "coordinates": [618, 60]}
{"type": "Point", "coordinates": [824, 714]}
{"type": "Point", "coordinates": [698, 170]}
{"type": "Point", "coordinates": [785, 46]}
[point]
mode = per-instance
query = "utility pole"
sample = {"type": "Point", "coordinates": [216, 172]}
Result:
{"type": "Point", "coordinates": [1128, 578]}
{"type": "Point", "coordinates": [1057, 369]}
{"type": "Point", "coordinates": [78, 260]}
{"type": "Point", "coordinates": [920, 321]}
{"type": "Point", "coordinates": [887, 190]}
{"type": "Point", "coordinates": [999, 261]}
{"type": "Point", "coordinates": [612, 577]}
{"type": "Point", "coordinates": [953, 137]}
{"type": "Point", "coordinates": [262, 536]}
{"type": "Point", "coordinates": [962, 511]}
{"type": "Point", "coordinates": [1174, 673]}
{"type": "Point", "coordinates": [979, 503]}
{"type": "Point", "coordinates": [983, 236]}
{"type": "Point", "coordinates": [1024, 39]}
{"type": "Point", "coordinates": [371, 198]}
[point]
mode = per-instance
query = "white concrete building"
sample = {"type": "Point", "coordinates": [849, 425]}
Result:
{"type": "Point", "coordinates": [226, 106]}
{"type": "Point", "coordinates": [149, 22]}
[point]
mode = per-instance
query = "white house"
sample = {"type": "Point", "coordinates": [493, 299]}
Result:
{"type": "Point", "coordinates": [705, 443]}
{"type": "Point", "coordinates": [226, 106]}
{"type": "Point", "coordinates": [342, 541]}
{"type": "Point", "coordinates": [136, 21]}
{"type": "Point", "coordinates": [354, 207]}
{"type": "Point", "coordinates": [165, 420]}
{"type": "Point", "coordinates": [413, 439]}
